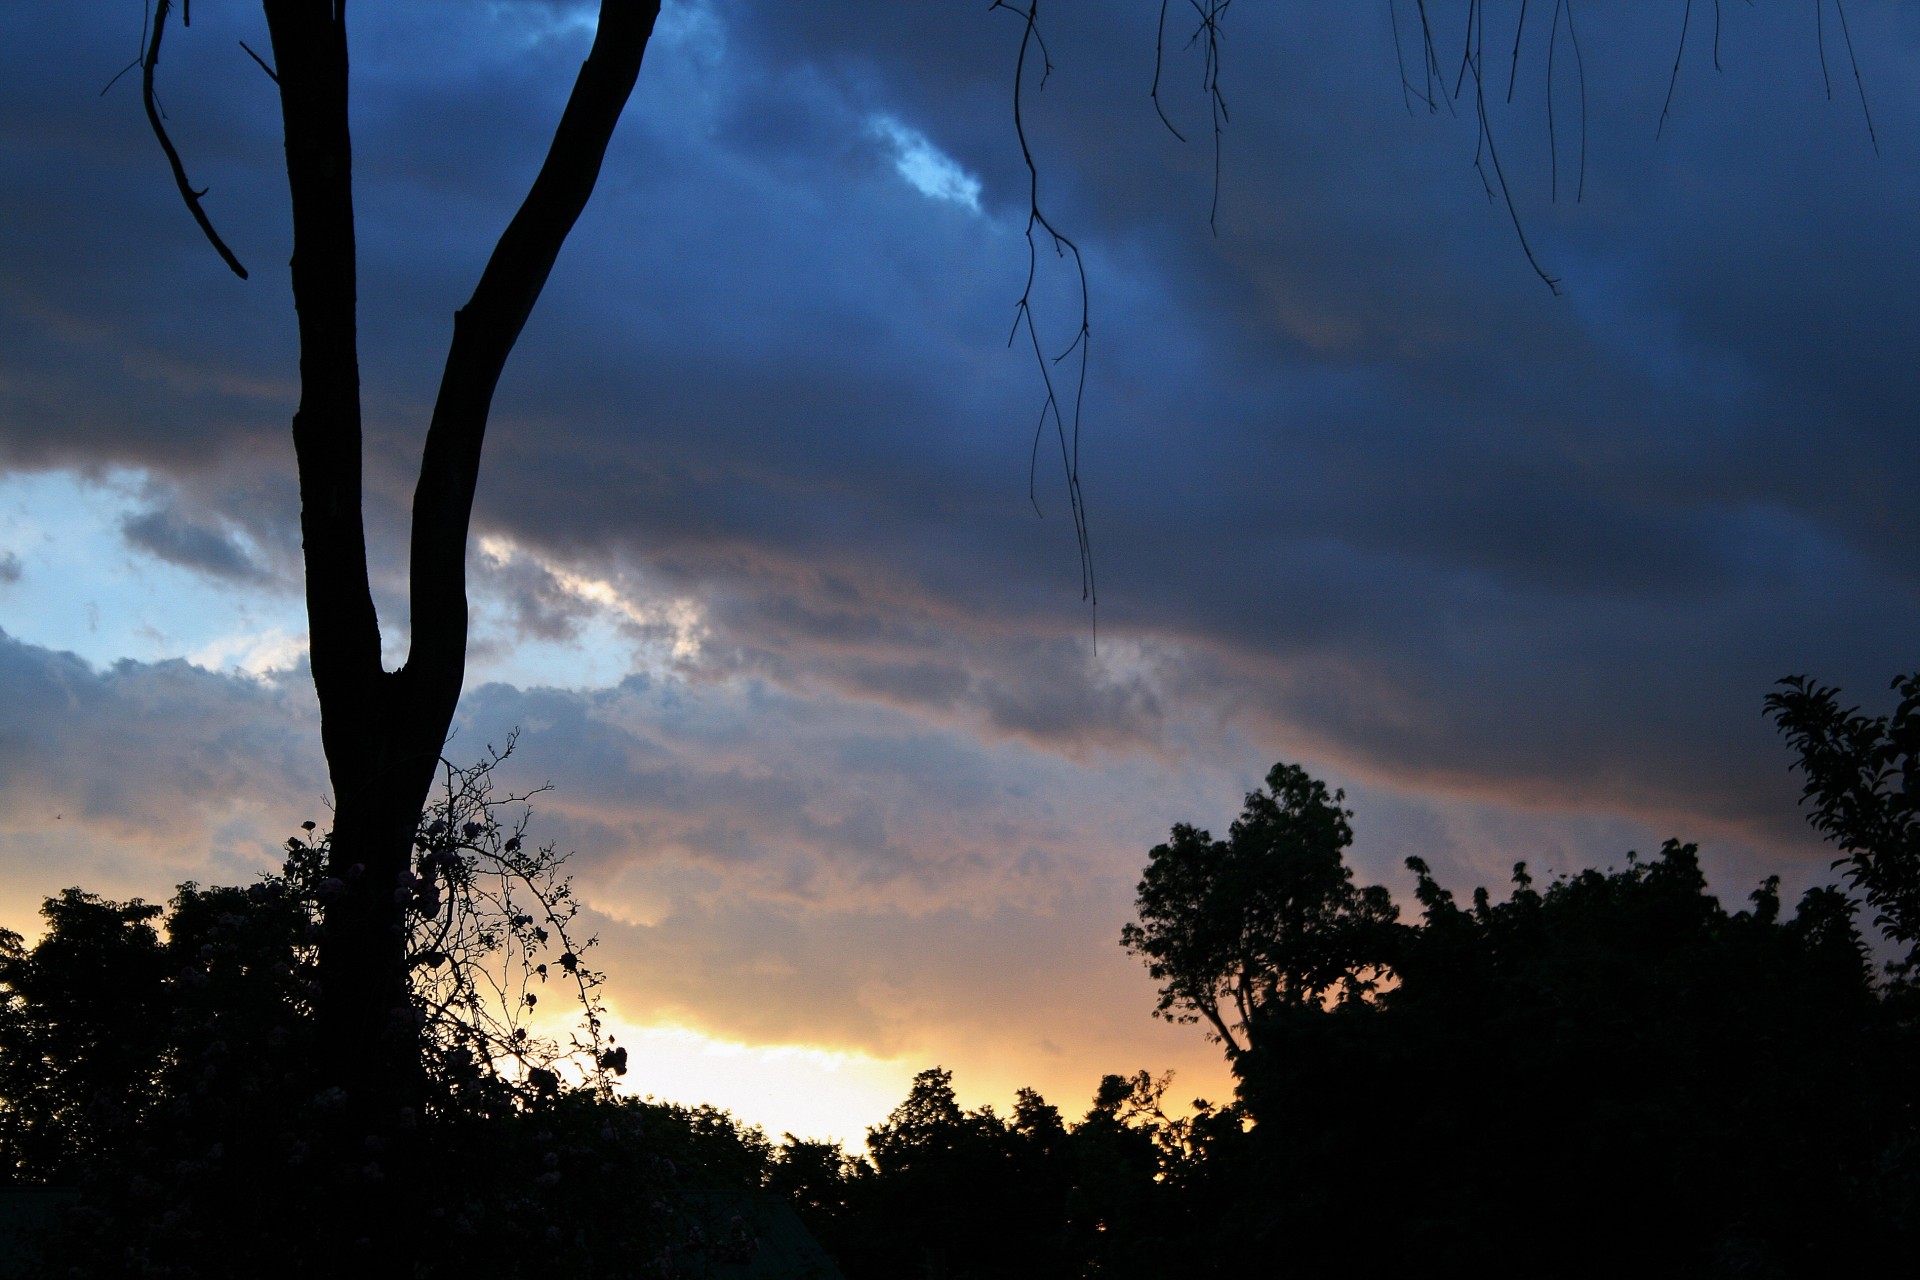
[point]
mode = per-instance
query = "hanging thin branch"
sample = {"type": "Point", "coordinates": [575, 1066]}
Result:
{"type": "Point", "coordinates": [1486, 156]}
{"type": "Point", "coordinates": [1207, 35]}
{"type": "Point", "coordinates": [1066, 420]}
{"type": "Point", "coordinates": [148, 62]}
{"type": "Point", "coordinates": [1430, 56]}
{"type": "Point", "coordinates": [1513, 68]}
{"type": "Point", "coordinates": [1580, 78]}
{"type": "Point", "coordinates": [1673, 80]}
{"type": "Point", "coordinates": [1860, 85]}
{"type": "Point", "coordinates": [1159, 57]}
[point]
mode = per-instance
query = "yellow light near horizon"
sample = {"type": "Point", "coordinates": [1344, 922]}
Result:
{"type": "Point", "coordinates": [805, 1090]}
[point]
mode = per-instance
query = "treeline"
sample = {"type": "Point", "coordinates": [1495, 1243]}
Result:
{"type": "Point", "coordinates": [1607, 1074]}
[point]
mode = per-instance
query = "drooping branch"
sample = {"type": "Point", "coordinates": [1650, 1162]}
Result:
{"type": "Point", "coordinates": [149, 61]}
{"type": "Point", "coordinates": [1206, 34]}
{"type": "Point", "coordinates": [1580, 80]}
{"type": "Point", "coordinates": [1486, 155]}
{"type": "Point", "coordinates": [1859, 84]}
{"type": "Point", "coordinates": [1065, 420]}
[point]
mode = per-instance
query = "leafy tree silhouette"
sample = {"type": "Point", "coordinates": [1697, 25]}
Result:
{"type": "Point", "coordinates": [1539, 1056]}
{"type": "Point", "coordinates": [1863, 794]}
{"type": "Point", "coordinates": [1608, 1074]}
{"type": "Point", "coordinates": [81, 1034]}
{"type": "Point", "coordinates": [954, 1193]}
{"type": "Point", "coordinates": [1268, 916]}
{"type": "Point", "coordinates": [1125, 1192]}
{"type": "Point", "coordinates": [1528, 1062]}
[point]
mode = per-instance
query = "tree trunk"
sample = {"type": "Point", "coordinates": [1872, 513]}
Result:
{"type": "Point", "coordinates": [383, 731]}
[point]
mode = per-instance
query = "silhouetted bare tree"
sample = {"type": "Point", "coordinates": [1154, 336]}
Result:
{"type": "Point", "coordinates": [383, 730]}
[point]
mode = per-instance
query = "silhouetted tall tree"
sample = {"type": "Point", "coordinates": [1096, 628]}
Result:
{"type": "Point", "coordinates": [1268, 916]}
{"type": "Point", "coordinates": [383, 731]}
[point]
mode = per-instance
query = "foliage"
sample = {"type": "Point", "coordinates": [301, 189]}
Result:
{"type": "Point", "coordinates": [947, 1191]}
{"type": "Point", "coordinates": [162, 1070]}
{"type": "Point", "coordinates": [938, 1173]}
{"type": "Point", "coordinates": [491, 931]}
{"type": "Point", "coordinates": [1619, 1034]}
{"type": "Point", "coordinates": [1407, 1092]}
{"type": "Point", "coordinates": [1268, 916]}
{"type": "Point", "coordinates": [1606, 1075]}
{"type": "Point", "coordinates": [1863, 794]}
{"type": "Point", "coordinates": [80, 1033]}
{"type": "Point", "coordinates": [212, 1082]}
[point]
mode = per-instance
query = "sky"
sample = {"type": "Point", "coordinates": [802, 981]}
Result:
{"type": "Point", "coordinates": [768, 574]}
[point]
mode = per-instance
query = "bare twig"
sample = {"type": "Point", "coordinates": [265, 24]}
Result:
{"type": "Point", "coordinates": [1513, 68]}
{"type": "Point", "coordinates": [1159, 56]}
{"type": "Point", "coordinates": [1400, 60]}
{"type": "Point", "coordinates": [148, 63]}
{"type": "Point", "coordinates": [1486, 156]}
{"type": "Point", "coordinates": [1066, 421]}
{"type": "Point", "coordinates": [1840, 8]}
{"type": "Point", "coordinates": [1820, 44]}
{"type": "Point", "coordinates": [1580, 77]}
{"type": "Point", "coordinates": [271, 73]}
{"type": "Point", "coordinates": [1206, 34]}
{"type": "Point", "coordinates": [1580, 74]}
{"type": "Point", "coordinates": [1673, 80]}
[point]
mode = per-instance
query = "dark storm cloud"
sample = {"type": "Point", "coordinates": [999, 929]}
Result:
{"type": "Point", "coordinates": [1509, 536]}
{"type": "Point", "coordinates": [192, 544]}
{"type": "Point", "coordinates": [1356, 478]}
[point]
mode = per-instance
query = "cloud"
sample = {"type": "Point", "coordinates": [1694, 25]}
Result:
{"type": "Point", "coordinates": [926, 168]}
{"type": "Point", "coordinates": [180, 539]}
{"type": "Point", "coordinates": [1350, 440]}
{"type": "Point", "coordinates": [128, 779]}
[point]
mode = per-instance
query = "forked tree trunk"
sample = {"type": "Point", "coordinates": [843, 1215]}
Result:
{"type": "Point", "coordinates": [383, 730]}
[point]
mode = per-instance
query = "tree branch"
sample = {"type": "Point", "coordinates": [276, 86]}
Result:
{"type": "Point", "coordinates": [148, 62]}
{"type": "Point", "coordinates": [484, 334]}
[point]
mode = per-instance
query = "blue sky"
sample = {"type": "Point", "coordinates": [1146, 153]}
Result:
{"type": "Point", "coordinates": [756, 572]}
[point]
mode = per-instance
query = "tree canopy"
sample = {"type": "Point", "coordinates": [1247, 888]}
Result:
{"type": "Point", "coordinates": [1268, 916]}
{"type": "Point", "coordinates": [1862, 793]}
{"type": "Point", "coordinates": [1612, 1071]}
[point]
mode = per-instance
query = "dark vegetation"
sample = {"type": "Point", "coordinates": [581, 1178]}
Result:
{"type": "Point", "coordinates": [1608, 1074]}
